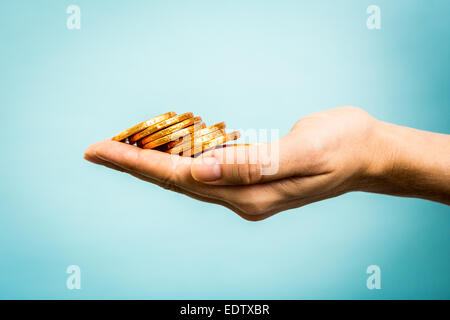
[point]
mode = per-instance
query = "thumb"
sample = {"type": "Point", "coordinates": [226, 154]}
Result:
{"type": "Point", "coordinates": [242, 164]}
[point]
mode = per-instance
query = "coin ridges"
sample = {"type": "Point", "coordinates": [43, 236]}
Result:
{"type": "Point", "coordinates": [182, 134]}
{"type": "Point", "coordinates": [171, 130]}
{"type": "Point", "coordinates": [160, 125]}
{"type": "Point", "coordinates": [174, 136]}
{"type": "Point", "coordinates": [143, 125]}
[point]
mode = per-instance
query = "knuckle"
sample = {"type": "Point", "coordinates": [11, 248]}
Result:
{"type": "Point", "coordinates": [169, 185]}
{"type": "Point", "coordinates": [316, 146]}
{"type": "Point", "coordinates": [256, 210]}
{"type": "Point", "coordinates": [168, 181]}
{"type": "Point", "coordinates": [249, 173]}
{"type": "Point", "coordinates": [253, 205]}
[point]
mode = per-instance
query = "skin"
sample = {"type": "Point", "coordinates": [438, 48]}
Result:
{"type": "Point", "coordinates": [325, 154]}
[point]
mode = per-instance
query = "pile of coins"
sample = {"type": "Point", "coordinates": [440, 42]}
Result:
{"type": "Point", "coordinates": [181, 134]}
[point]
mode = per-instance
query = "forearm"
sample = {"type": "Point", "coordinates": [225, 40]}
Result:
{"type": "Point", "coordinates": [409, 162]}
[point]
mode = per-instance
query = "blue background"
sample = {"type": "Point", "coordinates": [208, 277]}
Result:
{"type": "Point", "coordinates": [253, 64]}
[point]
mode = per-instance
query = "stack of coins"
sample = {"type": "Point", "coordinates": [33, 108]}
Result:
{"type": "Point", "coordinates": [182, 134]}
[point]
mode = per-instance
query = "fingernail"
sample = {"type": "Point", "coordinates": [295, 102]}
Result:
{"type": "Point", "coordinates": [206, 169]}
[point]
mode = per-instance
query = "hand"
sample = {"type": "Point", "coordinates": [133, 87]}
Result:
{"type": "Point", "coordinates": [325, 154]}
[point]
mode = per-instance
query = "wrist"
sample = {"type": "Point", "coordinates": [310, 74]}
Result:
{"type": "Point", "coordinates": [381, 158]}
{"type": "Point", "coordinates": [383, 152]}
{"type": "Point", "coordinates": [408, 162]}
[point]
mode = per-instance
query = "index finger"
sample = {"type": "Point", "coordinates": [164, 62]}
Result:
{"type": "Point", "coordinates": [152, 163]}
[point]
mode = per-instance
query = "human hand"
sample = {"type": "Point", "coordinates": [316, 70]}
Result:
{"type": "Point", "coordinates": [326, 154]}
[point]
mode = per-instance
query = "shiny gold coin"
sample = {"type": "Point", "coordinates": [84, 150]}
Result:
{"type": "Point", "coordinates": [160, 125]}
{"type": "Point", "coordinates": [234, 135]}
{"type": "Point", "coordinates": [170, 130]}
{"type": "Point", "coordinates": [208, 145]}
{"type": "Point", "coordinates": [143, 125]}
{"type": "Point", "coordinates": [176, 135]}
{"type": "Point", "coordinates": [214, 127]}
{"type": "Point", "coordinates": [197, 133]}
{"type": "Point", "coordinates": [197, 141]}
{"type": "Point", "coordinates": [180, 137]}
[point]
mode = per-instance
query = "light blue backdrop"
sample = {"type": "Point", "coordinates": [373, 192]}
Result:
{"type": "Point", "coordinates": [252, 64]}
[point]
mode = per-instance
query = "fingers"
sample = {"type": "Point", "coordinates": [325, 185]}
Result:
{"type": "Point", "coordinates": [252, 202]}
{"type": "Point", "coordinates": [155, 164]}
{"type": "Point", "coordinates": [242, 165]}
{"type": "Point", "coordinates": [168, 171]}
{"type": "Point", "coordinates": [89, 155]}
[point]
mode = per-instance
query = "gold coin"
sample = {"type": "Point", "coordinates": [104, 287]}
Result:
{"type": "Point", "coordinates": [180, 137]}
{"type": "Point", "coordinates": [214, 127]}
{"type": "Point", "coordinates": [196, 133]}
{"type": "Point", "coordinates": [234, 135]}
{"type": "Point", "coordinates": [170, 130]}
{"type": "Point", "coordinates": [141, 126]}
{"type": "Point", "coordinates": [199, 133]}
{"type": "Point", "coordinates": [197, 141]}
{"type": "Point", "coordinates": [208, 144]}
{"type": "Point", "coordinates": [159, 126]}
{"type": "Point", "coordinates": [177, 134]}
